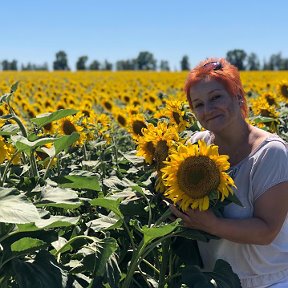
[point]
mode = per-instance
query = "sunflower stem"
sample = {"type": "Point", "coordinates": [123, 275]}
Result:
{"type": "Point", "coordinates": [165, 261]}
{"type": "Point", "coordinates": [2, 181]}
{"type": "Point", "coordinates": [85, 152]}
{"type": "Point", "coordinates": [163, 217]}
{"type": "Point", "coordinates": [133, 264]}
{"type": "Point", "coordinates": [48, 167]}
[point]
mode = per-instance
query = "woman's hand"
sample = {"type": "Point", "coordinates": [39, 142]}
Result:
{"type": "Point", "coordinates": [195, 219]}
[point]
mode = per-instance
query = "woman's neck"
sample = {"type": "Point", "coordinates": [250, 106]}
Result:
{"type": "Point", "coordinates": [233, 137]}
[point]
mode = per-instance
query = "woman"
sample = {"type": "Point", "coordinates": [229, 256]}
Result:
{"type": "Point", "coordinates": [253, 238]}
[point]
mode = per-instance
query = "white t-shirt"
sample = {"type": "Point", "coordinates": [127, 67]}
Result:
{"type": "Point", "coordinates": [256, 265]}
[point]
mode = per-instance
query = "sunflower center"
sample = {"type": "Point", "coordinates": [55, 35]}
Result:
{"type": "Point", "coordinates": [48, 126]}
{"type": "Point", "coordinates": [137, 127]}
{"type": "Point", "coordinates": [107, 105]}
{"type": "Point", "coordinates": [198, 176]}
{"type": "Point", "coordinates": [270, 100]}
{"type": "Point", "coordinates": [68, 127]}
{"type": "Point", "coordinates": [121, 120]}
{"type": "Point", "coordinates": [149, 147]}
{"type": "Point", "coordinates": [265, 113]}
{"type": "Point", "coordinates": [161, 153]}
{"type": "Point", "coordinates": [284, 90]}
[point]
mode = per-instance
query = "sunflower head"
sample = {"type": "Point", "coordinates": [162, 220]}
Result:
{"type": "Point", "coordinates": [196, 174]}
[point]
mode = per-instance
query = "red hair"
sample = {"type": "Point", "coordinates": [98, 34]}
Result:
{"type": "Point", "coordinates": [222, 71]}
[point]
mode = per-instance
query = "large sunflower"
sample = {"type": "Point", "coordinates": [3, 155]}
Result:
{"type": "Point", "coordinates": [195, 174]}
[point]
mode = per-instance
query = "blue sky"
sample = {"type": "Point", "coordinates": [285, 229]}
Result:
{"type": "Point", "coordinates": [33, 31]}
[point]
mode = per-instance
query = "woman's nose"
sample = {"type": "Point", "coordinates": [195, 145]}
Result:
{"type": "Point", "coordinates": [208, 107]}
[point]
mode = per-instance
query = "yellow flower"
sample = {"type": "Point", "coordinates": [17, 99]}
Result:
{"type": "Point", "coordinates": [155, 142]}
{"type": "Point", "coordinates": [196, 174]}
{"type": "Point", "coordinates": [283, 90]}
{"type": "Point", "coordinates": [174, 111]}
{"type": "Point", "coordinates": [68, 125]}
{"type": "Point", "coordinates": [135, 125]}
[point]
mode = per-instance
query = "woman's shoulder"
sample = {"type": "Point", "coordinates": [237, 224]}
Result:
{"type": "Point", "coordinates": [273, 148]}
{"type": "Point", "coordinates": [200, 135]}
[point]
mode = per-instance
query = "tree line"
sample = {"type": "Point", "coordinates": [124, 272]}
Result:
{"type": "Point", "coordinates": [146, 61]}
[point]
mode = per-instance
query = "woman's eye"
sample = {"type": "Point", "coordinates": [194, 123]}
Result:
{"type": "Point", "coordinates": [215, 97]}
{"type": "Point", "coordinates": [198, 105]}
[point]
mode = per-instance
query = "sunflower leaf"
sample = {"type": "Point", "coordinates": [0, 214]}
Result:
{"type": "Point", "coordinates": [110, 204]}
{"type": "Point", "coordinates": [152, 233]}
{"type": "Point", "coordinates": [80, 182]}
{"type": "Point", "coordinates": [65, 142]}
{"type": "Point", "coordinates": [45, 119]}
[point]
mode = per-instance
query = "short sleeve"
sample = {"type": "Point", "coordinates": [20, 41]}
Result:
{"type": "Point", "coordinates": [199, 135]}
{"type": "Point", "coordinates": [270, 168]}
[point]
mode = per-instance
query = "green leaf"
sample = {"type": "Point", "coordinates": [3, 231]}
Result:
{"type": "Point", "coordinates": [104, 223]}
{"type": "Point", "coordinates": [15, 207]}
{"type": "Point", "coordinates": [104, 250]}
{"type": "Point", "coordinates": [80, 182]}
{"type": "Point", "coordinates": [132, 158]}
{"type": "Point", "coordinates": [9, 129]}
{"type": "Point", "coordinates": [43, 120]}
{"type": "Point", "coordinates": [14, 87]}
{"type": "Point", "coordinates": [65, 142]}
{"type": "Point", "coordinates": [27, 244]}
{"type": "Point", "coordinates": [187, 250]}
{"type": "Point", "coordinates": [224, 275]}
{"type": "Point", "coordinates": [156, 232]}
{"type": "Point", "coordinates": [24, 145]}
{"type": "Point", "coordinates": [58, 197]}
{"type": "Point", "coordinates": [99, 258]}
{"type": "Point", "coordinates": [52, 222]}
{"type": "Point", "coordinates": [262, 119]}
{"type": "Point", "coordinates": [42, 272]}
{"type": "Point", "coordinates": [110, 204]}
{"type": "Point", "coordinates": [5, 98]}
{"type": "Point", "coordinates": [194, 278]}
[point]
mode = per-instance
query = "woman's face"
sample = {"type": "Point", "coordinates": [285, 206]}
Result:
{"type": "Point", "coordinates": [213, 106]}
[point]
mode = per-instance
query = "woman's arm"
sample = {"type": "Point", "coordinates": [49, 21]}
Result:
{"type": "Point", "coordinates": [270, 211]}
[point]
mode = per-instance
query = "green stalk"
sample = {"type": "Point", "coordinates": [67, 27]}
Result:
{"type": "Point", "coordinates": [34, 165]}
{"type": "Point", "coordinates": [25, 134]}
{"type": "Point", "coordinates": [20, 124]}
{"type": "Point", "coordinates": [133, 265]}
{"type": "Point", "coordinates": [163, 217]}
{"type": "Point", "coordinates": [151, 266]}
{"type": "Point", "coordinates": [2, 181]}
{"type": "Point", "coordinates": [85, 152]}
{"type": "Point", "coordinates": [48, 167]}
{"type": "Point", "coordinates": [165, 261]}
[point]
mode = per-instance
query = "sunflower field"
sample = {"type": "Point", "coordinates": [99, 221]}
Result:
{"type": "Point", "coordinates": [86, 174]}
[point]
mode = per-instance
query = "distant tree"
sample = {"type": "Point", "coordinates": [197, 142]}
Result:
{"type": "Point", "coordinates": [285, 64]}
{"type": "Point", "coordinates": [95, 65]}
{"type": "Point", "coordinates": [130, 64]}
{"type": "Point", "coordinates": [253, 62]}
{"type": "Point", "coordinates": [6, 65]}
{"type": "Point", "coordinates": [164, 65]}
{"type": "Point", "coordinates": [237, 58]}
{"type": "Point", "coordinates": [107, 66]}
{"type": "Point", "coordinates": [81, 63]}
{"type": "Point", "coordinates": [13, 65]}
{"type": "Point", "coordinates": [61, 62]}
{"type": "Point", "coordinates": [34, 67]}
{"type": "Point", "coordinates": [185, 65]}
{"type": "Point", "coordinates": [274, 62]}
{"type": "Point", "coordinates": [146, 61]}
